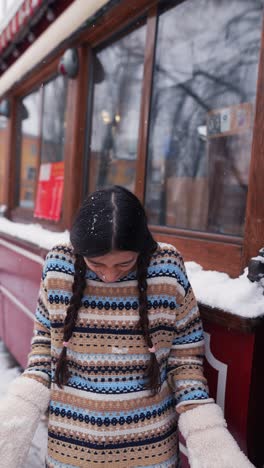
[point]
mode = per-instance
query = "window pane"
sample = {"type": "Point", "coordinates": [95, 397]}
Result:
{"type": "Point", "coordinates": [202, 114]}
{"type": "Point", "coordinates": [118, 75]}
{"type": "Point", "coordinates": [53, 125]}
{"type": "Point", "coordinates": [3, 149]}
{"type": "Point", "coordinates": [41, 149]}
{"type": "Point", "coordinates": [51, 174]}
{"type": "Point", "coordinates": [29, 138]}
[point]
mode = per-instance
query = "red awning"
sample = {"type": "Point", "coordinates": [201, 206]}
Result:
{"type": "Point", "coordinates": [21, 18]}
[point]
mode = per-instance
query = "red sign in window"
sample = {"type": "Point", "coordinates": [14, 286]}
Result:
{"type": "Point", "coordinates": [50, 191]}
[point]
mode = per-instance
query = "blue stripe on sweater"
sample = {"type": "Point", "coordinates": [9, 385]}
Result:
{"type": "Point", "coordinates": [43, 320]}
{"type": "Point", "coordinates": [111, 387]}
{"type": "Point", "coordinates": [167, 402]}
{"type": "Point", "coordinates": [194, 395]}
{"type": "Point", "coordinates": [129, 299]}
{"type": "Point", "coordinates": [57, 264]}
{"type": "Point", "coordinates": [191, 338]}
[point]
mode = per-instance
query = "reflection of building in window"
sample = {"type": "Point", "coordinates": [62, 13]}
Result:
{"type": "Point", "coordinates": [28, 168]}
{"type": "Point", "coordinates": [31, 173]}
{"type": "Point", "coordinates": [34, 149]}
{"type": "Point", "coordinates": [28, 195]}
{"type": "Point", "coordinates": [41, 137]}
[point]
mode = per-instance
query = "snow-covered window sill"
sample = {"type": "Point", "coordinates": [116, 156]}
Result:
{"type": "Point", "coordinates": [33, 234]}
{"type": "Point", "coordinates": [215, 290]}
{"type": "Point", "coordinates": [238, 296]}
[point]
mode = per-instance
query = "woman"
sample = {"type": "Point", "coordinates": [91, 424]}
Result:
{"type": "Point", "coordinates": [116, 353]}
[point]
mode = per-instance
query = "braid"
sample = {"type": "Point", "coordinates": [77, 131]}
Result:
{"type": "Point", "coordinates": [153, 371]}
{"type": "Point", "coordinates": [61, 373]}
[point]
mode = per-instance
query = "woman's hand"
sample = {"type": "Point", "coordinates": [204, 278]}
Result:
{"type": "Point", "coordinates": [209, 443]}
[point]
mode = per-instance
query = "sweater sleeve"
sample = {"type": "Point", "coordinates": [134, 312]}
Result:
{"type": "Point", "coordinates": [39, 359]}
{"type": "Point", "coordinates": [185, 362]}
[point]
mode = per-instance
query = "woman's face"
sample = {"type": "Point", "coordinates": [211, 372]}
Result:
{"type": "Point", "coordinates": [112, 266]}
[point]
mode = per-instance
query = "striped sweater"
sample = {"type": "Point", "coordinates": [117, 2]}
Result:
{"type": "Point", "coordinates": [105, 414]}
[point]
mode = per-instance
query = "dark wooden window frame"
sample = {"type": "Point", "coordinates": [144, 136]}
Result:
{"type": "Point", "coordinates": [42, 74]}
{"type": "Point", "coordinates": [19, 212]}
{"type": "Point", "coordinates": [214, 251]}
{"type": "Point", "coordinates": [220, 252]}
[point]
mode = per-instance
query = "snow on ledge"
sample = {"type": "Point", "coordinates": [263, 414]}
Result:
{"type": "Point", "coordinates": [33, 233]}
{"type": "Point", "coordinates": [238, 296]}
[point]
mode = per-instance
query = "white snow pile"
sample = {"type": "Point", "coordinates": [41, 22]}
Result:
{"type": "Point", "coordinates": [238, 296]}
{"type": "Point", "coordinates": [34, 233]}
{"type": "Point", "coordinates": [9, 370]}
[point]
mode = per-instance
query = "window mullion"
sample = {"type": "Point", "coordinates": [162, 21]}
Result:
{"type": "Point", "coordinates": [146, 102]}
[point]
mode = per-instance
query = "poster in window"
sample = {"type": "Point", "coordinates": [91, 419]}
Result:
{"type": "Point", "coordinates": [50, 191]}
{"type": "Point", "coordinates": [230, 120]}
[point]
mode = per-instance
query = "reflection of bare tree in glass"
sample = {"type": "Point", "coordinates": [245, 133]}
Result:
{"type": "Point", "coordinates": [53, 120]}
{"type": "Point", "coordinates": [108, 148]}
{"type": "Point", "coordinates": [123, 70]}
{"type": "Point", "coordinates": [217, 82]}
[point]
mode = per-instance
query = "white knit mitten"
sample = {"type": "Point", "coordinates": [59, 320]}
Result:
{"type": "Point", "coordinates": [209, 443]}
{"type": "Point", "coordinates": [20, 413]}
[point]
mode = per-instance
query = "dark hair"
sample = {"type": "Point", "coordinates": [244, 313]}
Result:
{"type": "Point", "coordinates": [110, 219]}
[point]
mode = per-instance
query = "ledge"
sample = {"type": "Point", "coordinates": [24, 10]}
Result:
{"type": "Point", "coordinates": [212, 315]}
{"type": "Point", "coordinates": [230, 321]}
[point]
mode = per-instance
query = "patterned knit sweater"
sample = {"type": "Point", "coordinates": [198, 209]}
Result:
{"type": "Point", "coordinates": [105, 414]}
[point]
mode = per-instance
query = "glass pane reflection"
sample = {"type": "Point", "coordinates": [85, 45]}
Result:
{"type": "Point", "coordinates": [53, 125]}
{"type": "Point", "coordinates": [118, 75]}
{"type": "Point", "coordinates": [41, 141]}
{"type": "Point", "coordinates": [29, 144]}
{"type": "Point", "coordinates": [202, 115]}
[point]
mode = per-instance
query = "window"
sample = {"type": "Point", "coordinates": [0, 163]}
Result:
{"type": "Point", "coordinates": [30, 111]}
{"type": "Point", "coordinates": [202, 115]}
{"type": "Point", "coordinates": [41, 149]}
{"type": "Point", "coordinates": [53, 126]}
{"type": "Point", "coordinates": [31, 173]}
{"type": "Point", "coordinates": [34, 149]}
{"type": "Point", "coordinates": [3, 149]}
{"type": "Point", "coordinates": [117, 83]}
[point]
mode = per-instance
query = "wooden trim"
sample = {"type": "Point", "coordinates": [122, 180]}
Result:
{"type": "Point", "coordinates": [117, 18]}
{"type": "Point", "coordinates": [144, 121]}
{"type": "Point", "coordinates": [75, 139]}
{"type": "Point", "coordinates": [210, 255]}
{"type": "Point", "coordinates": [88, 174]}
{"type": "Point", "coordinates": [37, 76]}
{"type": "Point", "coordinates": [114, 20]}
{"type": "Point", "coordinates": [197, 234]}
{"type": "Point", "coordinates": [22, 215]}
{"type": "Point", "coordinates": [231, 321]}
{"type": "Point", "coordinates": [254, 227]}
